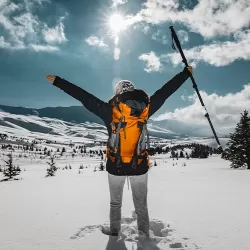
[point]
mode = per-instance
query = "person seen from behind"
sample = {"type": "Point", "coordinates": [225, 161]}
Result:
{"type": "Point", "coordinates": [125, 116]}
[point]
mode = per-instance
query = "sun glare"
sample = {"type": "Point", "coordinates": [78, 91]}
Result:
{"type": "Point", "coordinates": [117, 23]}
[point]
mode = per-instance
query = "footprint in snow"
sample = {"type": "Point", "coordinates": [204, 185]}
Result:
{"type": "Point", "coordinates": [162, 235]}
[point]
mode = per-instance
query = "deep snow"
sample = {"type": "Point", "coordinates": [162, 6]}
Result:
{"type": "Point", "coordinates": [204, 205]}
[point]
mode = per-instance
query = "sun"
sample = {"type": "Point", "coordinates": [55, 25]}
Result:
{"type": "Point", "coordinates": [117, 23]}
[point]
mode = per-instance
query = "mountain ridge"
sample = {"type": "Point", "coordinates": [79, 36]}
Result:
{"type": "Point", "coordinates": [72, 114]}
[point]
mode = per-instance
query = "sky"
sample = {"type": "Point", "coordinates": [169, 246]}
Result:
{"type": "Point", "coordinates": [93, 44]}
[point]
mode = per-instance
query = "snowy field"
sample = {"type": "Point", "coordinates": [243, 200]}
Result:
{"type": "Point", "coordinates": [203, 205]}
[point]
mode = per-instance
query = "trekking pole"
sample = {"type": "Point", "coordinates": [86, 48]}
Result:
{"type": "Point", "coordinates": [184, 60]}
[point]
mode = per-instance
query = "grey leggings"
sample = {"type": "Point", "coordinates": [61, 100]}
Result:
{"type": "Point", "coordinates": [139, 186]}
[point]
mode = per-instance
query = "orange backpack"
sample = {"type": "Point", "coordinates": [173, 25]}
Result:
{"type": "Point", "coordinates": [129, 140]}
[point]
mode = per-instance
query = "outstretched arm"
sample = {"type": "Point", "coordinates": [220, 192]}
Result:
{"type": "Point", "coordinates": [92, 103]}
{"type": "Point", "coordinates": [161, 95]}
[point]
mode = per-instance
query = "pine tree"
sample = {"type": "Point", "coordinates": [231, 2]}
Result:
{"type": "Point", "coordinates": [52, 169]}
{"type": "Point", "coordinates": [181, 154]}
{"type": "Point", "coordinates": [11, 171]}
{"type": "Point", "coordinates": [101, 167]}
{"type": "Point", "coordinates": [63, 151]}
{"type": "Point", "coordinates": [172, 154]}
{"type": "Point", "coordinates": [238, 151]}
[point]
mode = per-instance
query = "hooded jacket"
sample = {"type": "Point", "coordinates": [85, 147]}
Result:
{"type": "Point", "coordinates": [104, 111]}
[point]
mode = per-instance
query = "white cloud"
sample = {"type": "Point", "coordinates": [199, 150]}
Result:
{"type": "Point", "coordinates": [29, 4]}
{"type": "Point", "coordinates": [158, 36]}
{"type": "Point", "coordinates": [96, 42]}
{"type": "Point", "coordinates": [55, 35]}
{"type": "Point", "coordinates": [183, 36]}
{"type": "Point", "coordinates": [224, 112]}
{"type": "Point", "coordinates": [3, 44]}
{"type": "Point", "coordinates": [26, 25]}
{"type": "Point", "coordinates": [46, 48]}
{"type": "Point", "coordinates": [217, 54]}
{"type": "Point", "coordinates": [145, 29]}
{"type": "Point", "coordinates": [209, 18]}
{"type": "Point", "coordinates": [22, 28]}
{"type": "Point", "coordinates": [115, 3]}
{"type": "Point", "coordinates": [152, 62]}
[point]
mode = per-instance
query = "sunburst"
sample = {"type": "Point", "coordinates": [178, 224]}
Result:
{"type": "Point", "coordinates": [117, 23]}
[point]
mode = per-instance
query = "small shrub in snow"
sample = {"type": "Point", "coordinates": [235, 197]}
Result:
{"type": "Point", "coordinates": [11, 171]}
{"type": "Point", "coordinates": [155, 164]}
{"type": "Point", "coordinates": [70, 167]}
{"type": "Point", "coordinates": [81, 167]}
{"type": "Point", "coordinates": [101, 167]}
{"type": "Point", "coordinates": [51, 171]}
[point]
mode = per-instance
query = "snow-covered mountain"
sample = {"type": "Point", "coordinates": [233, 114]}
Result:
{"type": "Point", "coordinates": [46, 125]}
{"type": "Point", "coordinates": [73, 118]}
{"type": "Point", "coordinates": [77, 114]}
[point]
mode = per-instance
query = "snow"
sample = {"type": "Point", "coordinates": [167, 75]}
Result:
{"type": "Point", "coordinates": [204, 205]}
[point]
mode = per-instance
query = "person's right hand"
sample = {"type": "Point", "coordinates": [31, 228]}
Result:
{"type": "Point", "coordinates": [51, 78]}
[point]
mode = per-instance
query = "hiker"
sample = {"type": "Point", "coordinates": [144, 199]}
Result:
{"type": "Point", "coordinates": [125, 116]}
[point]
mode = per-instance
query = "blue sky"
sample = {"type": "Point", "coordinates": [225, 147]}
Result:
{"type": "Point", "coordinates": [74, 40]}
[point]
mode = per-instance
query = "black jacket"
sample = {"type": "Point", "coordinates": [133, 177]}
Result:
{"type": "Point", "coordinates": [104, 111]}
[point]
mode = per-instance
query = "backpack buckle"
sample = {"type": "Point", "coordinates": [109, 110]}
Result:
{"type": "Point", "coordinates": [113, 127]}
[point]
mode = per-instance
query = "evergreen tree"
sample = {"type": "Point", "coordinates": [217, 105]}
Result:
{"type": "Point", "coordinates": [63, 151]}
{"type": "Point", "coordinates": [11, 171]}
{"type": "Point", "coordinates": [101, 167]}
{"type": "Point", "coordinates": [52, 169]}
{"type": "Point", "coordinates": [238, 151]}
{"type": "Point", "coordinates": [181, 154]}
{"type": "Point", "coordinates": [172, 154]}
{"type": "Point", "coordinates": [225, 154]}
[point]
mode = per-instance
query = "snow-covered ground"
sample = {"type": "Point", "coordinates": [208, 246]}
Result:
{"type": "Point", "coordinates": [203, 205]}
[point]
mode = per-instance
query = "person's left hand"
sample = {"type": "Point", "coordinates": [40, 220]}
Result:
{"type": "Point", "coordinates": [51, 78]}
